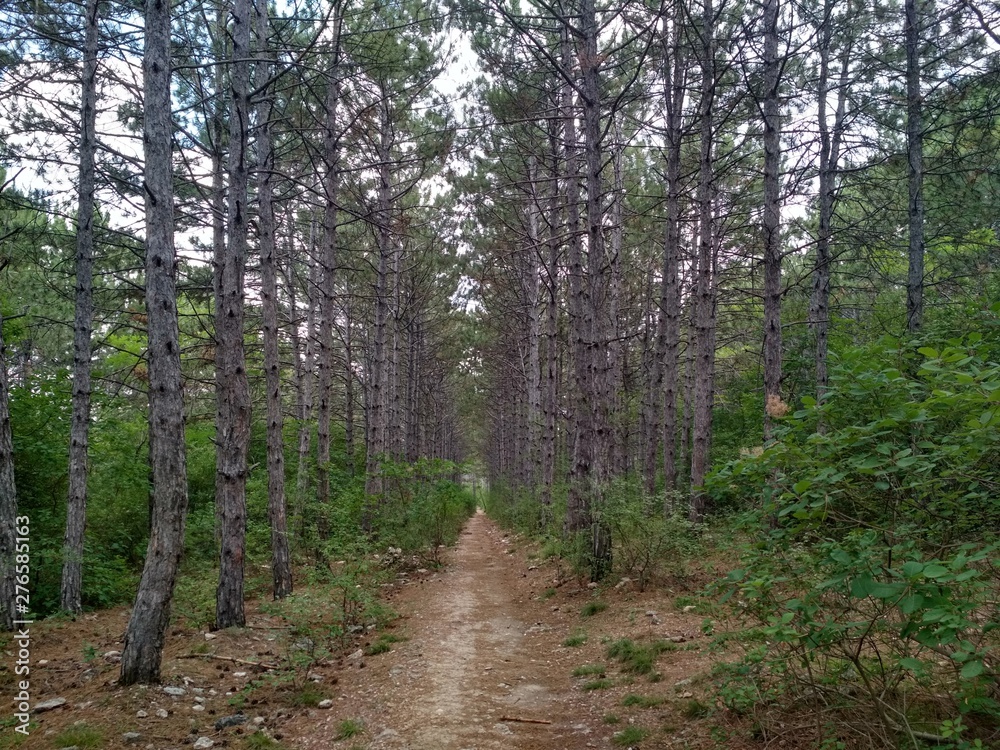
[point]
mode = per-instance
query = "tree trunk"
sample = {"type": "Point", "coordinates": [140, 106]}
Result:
{"type": "Point", "coordinates": [915, 163]}
{"type": "Point", "coordinates": [328, 265]}
{"type": "Point", "coordinates": [281, 564]}
{"type": "Point", "coordinates": [8, 504]}
{"type": "Point", "coordinates": [232, 434]}
{"type": "Point", "coordinates": [704, 301]}
{"type": "Point", "coordinates": [829, 158]}
{"type": "Point", "coordinates": [771, 108]}
{"type": "Point", "coordinates": [150, 616]}
{"type": "Point", "coordinates": [675, 87]}
{"type": "Point", "coordinates": [596, 321]}
{"type": "Point", "coordinates": [76, 507]}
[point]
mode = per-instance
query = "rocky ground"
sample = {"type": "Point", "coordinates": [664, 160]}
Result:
{"type": "Point", "coordinates": [496, 649]}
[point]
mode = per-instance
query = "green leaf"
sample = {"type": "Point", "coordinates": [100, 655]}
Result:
{"type": "Point", "coordinates": [841, 556]}
{"type": "Point", "coordinates": [929, 352]}
{"type": "Point", "coordinates": [800, 487]}
{"type": "Point", "coordinates": [912, 568]}
{"type": "Point", "coordinates": [935, 571]}
{"type": "Point", "coordinates": [864, 586]}
{"type": "Point", "coordinates": [870, 463]}
{"type": "Point", "coordinates": [911, 603]}
{"type": "Point", "coordinates": [972, 669]}
{"type": "Point", "coordinates": [914, 665]}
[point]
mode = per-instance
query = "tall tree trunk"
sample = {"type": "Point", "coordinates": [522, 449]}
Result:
{"type": "Point", "coordinates": [532, 293]}
{"type": "Point", "coordinates": [150, 616]}
{"type": "Point", "coordinates": [596, 323]}
{"type": "Point", "coordinates": [328, 265]}
{"type": "Point", "coordinates": [549, 401]}
{"type": "Point", "coordinates": [9, 526]}
{"type": "Point", "coordinates": [232, 434]}
{"type": "Point", "coordinates": [379, 407]}
{"type": "Point", "coordinates": [348, 384]}
{"type": "Point", "coordinates": [281, 564]}
{"type": "Point", "coordinates": [76, 506]}
{"type": "Point", "coordinates": [578, 503]}
{"type": "Point", "coordinates": [771, 109]}
{"type": "Point", "coordinates": [704, 299]}
{"type": "Point", "coordinates": [915, 163]}
{"type": "Point", "coordinates": [829, 158]}
{"type": "Point", "coordinates": [305, 359]}
{"type": "Point", "coordinates": [675, 85]}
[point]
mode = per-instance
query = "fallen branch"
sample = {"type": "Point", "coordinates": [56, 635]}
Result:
{"type": "Point", "coordinates": [524, 721]}
{"type": "Point", "coordinates": [259, 664]}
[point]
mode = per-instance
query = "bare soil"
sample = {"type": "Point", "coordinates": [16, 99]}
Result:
{"type": "Point", "coordinates": [478, 660]}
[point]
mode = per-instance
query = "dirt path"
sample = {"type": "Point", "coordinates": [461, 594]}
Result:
{"type": "Point", "coordinates": [484, 667]}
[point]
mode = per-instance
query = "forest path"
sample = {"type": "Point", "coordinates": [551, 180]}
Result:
{"type": "Point", "coordinates": [484, 666]}
{"type": "Point", "coordinates": [481, 652]}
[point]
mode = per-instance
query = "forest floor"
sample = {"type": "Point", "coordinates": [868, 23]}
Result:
{"type": "Point", "coordinates": [481, 656]}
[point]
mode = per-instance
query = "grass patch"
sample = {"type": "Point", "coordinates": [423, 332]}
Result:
{"type": "Point", "coordinates": [547, 594]}
{"type": "Point", "coordinates": [576, 640]}
{"type": "Point", "coordinates": [81, 736]}
{"type": "Point", "coordinates": [348, 728]}
{"type": "Point", "coordinates": [587, 670]}
{"type": "Point", "coordinates": [597, 685]}
{"type": "Point", "coordinates": [307, 696]}
{"type": "Point", "coordinates": [611, 719]}
{"type": "Point", "coordinates": [636, 658]}
{"type": "Point", "coordinates": [383, 644]}
{"type": "Point", "coordinates": [695, 709]}
{"type": "Point", "coordinates": [260, 741]}
{"type": "Point", "coordinates": [642, 701]}
{"type": "Point", "coordinates": [592, 608]}
{"type": "Point", "coordinates": [630, 736]}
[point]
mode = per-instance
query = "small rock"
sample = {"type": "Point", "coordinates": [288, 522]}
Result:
{"type": "Point", "coordinates": [131, 737]}
{"type": "Point", "coordinates": [622, 584]}
{"type": "Point", "coordinates": [199, 699]}
{"type": "Point", "coordinates": [174, 691]}
{"type": "Point", "coordinates": [677, 639]}
{"type": "Point", "coordinates": [689, 608]}
{"type": "Point", "coordinates": [197, 707]}
{"type": "Point", "coordinates": [682, 683]}
{"type": "Point", "coordinates": [198, 691]}
{"type": "Point", "coordinates": [49, 705]}
{"type": "Point", "coordinates": [42, 662]}
{"type": "Point", "coordinates": [686, 694]}
{"type": "Point", "coordinates": [239, 674]}
{"type": "Point", "coordinates": [356, 655]}
{"type": "Point", "coordinates": [83, 706]}
{"type": "Point", "coordinates": [210, 636]}
{"type": "Point", "coordinates": [113, 656]}
{"type": "Point", "coordinates": [141, 714]}
{"type": "Point", "coordinates": [162, 713]}
{"type": "Point", "coordinates": [203, 743]}
{"type": "Point", "coordinates": [531, 567]}
{"type": "Point", "coordinates": [231, 721]}
{"type": "Point", "coordinates": [258, 720]}
{"type": "Point", "coordinates": [326, 703]}
{"type": "Point", "coordinates": [313, 677]}
{"type": "Point", "coordinates": [592, 585]}
{"type": "Point", "coordinates": [386, 734]}
{"type": "Point", "coordinates": [421, 570]}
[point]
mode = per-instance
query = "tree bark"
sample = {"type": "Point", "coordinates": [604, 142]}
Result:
{"type": "Point", "coordinates": [829, 159]}
{"type": "Point", "coordinates": [76, 506]}
{"type": "Point", "coordinates": [8, 503]}
{"type": "Point", "coordinates": [704, 298]}
{"type": "Point", "coordinates": [232, 388]}
{"type": "Point", "coordinates": [915, 164]}
{"type": "Point", "coordinates": [771, 109]}
{"type": "Point", "coordinates": [150, 616]}
{"type": "Point", "coordinates": [281, 564]}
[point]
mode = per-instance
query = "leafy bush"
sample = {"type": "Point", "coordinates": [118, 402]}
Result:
{"type": "Point", "coordinates": [872, 580]}
{"type": "Point", "coordinates": [647, 541]}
